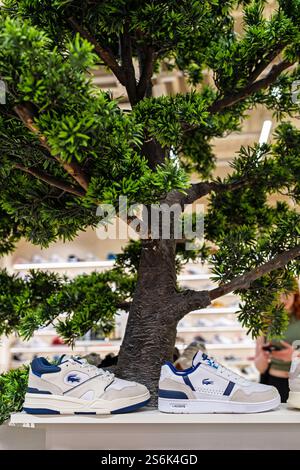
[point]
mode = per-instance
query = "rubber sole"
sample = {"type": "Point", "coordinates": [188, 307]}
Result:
{"type": "Point", "coordinates": [58, 404]}
{"type": "Point", "coordinates": [214, 406]}
{"type": "Point", "coordinates": [294, 400]}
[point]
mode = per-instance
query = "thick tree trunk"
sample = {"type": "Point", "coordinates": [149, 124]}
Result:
{"type": "Point", "coordinates": [151, 329]}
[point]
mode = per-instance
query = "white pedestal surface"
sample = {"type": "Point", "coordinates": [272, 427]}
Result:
{"type": "Point", "coordinates": [149, 429]}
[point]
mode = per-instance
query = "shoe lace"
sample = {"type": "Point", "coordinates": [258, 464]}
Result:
{"type": "Point", "coordinates": [229, 374]}
{"type": "Point", "coordinates": [91, 368]}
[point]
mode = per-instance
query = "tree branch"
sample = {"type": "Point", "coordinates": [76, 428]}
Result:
{"type": "Point", "coordinates": [201, 299]}
{"type": "Point", "coordinates": [201, 189]}
{"type": "Point", "coordinates": [189, 300]}
{"type": "Point", "coordinates": [244, 281]}
{"type": "Point", "coordinates": [127, 65]}
{"type": "Point", "coordinates": [264, 63]}
{"type": "Point", "coordinates": [250, 88]}
{"type": "Point", "coordinates": [104, 53]}
{"type": "Point", "coordinates": [198, 190]}
{"type": "Point", "coordinates": [52, 181]}
{"type": "Point", "coordinates": [26, 114]}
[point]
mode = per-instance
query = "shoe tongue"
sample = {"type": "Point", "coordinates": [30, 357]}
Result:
{"type": "Point", "coordinates": [63, 358]}
{"type": "Point", "coordinates": [202, 358]}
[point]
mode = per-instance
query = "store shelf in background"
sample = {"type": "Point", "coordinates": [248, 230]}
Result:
{"type": "Point", "coordinates": [209, 329]}
{"type": "Point", "coordinates": [194, 277]}
{"type": "Point", "coordinates": [46, 333]}
{"type": "Point", "coordinates": [98, 263]}
{"type": "Point", "coordinates": [217, 346]}
{"type": "Point", "coordinates": [79, 265]}
{"type": "Point", "coordinates": [237, 363]}
{"type": "Point", "coordinates": [78, 348]}
{"type": "Point", "coordinates": [197, 276]}
{"type": "Point", "coordinates": [63, 265]}
{"type": "Point", "coordinates": [220, 346]}
{"type": "Point", "coordinates": [205, 311]}
{"type": "Point", "coordinates": [111, 347]}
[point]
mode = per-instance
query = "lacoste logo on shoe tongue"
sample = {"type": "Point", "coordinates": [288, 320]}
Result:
{"type": "Point", "coordinates": [73, 378]}
{"type": "Point", "coordinates": [207, 382]}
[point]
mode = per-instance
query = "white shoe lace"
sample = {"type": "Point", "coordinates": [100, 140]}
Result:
{"type": "Point", "coordinates": [227, 373]}
{"type": "Point", "coordinates": [90, 368]}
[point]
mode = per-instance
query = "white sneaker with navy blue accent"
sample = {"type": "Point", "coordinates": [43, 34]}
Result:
{"type": "Point", "coordinates": [208, 387]}
{"type": "Point", "coordinates": [73, 386]}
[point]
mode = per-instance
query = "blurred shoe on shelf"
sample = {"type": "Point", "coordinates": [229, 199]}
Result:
{"type": "Point", "coordinates": [245, 340]}
{"type": "Point", "coordinates": [221, 339]}
{"type": "Point", "coordinates": [223, 321]}
{"type": "Point", "coordinates": [217, 304]}
{"type": "Point", "coordinates": [195, 270]}
{"type": "Point", "coordinates": [231, 357]}
{"type": "Point", "coordinates": [205, 322]}
{"type": "Point", "coordinates": [111, 256]}
{"type": "Point", "coordinates": [235, 304]}
{"type": "Point", "coordinates": [38, 259]}
{"type": "Point", "coordinates": [55, 258]}
{"type": "Point", "coordinates": [57, 341]}
{"type": "Point", "coordinates": [250, 373]}
{"type": "Point", "coordinates": [184, 361]}
{"type": "Point", "coordinates": [294, 381]}
{"type": "Point", "coordinates": [74, 259]}
{"type": "Point", "coordinates": [183, 324]}
{"type": "Point", "coordinates": [91, 257]}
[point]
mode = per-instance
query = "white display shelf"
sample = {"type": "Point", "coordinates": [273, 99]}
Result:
{"type": "Point", "coordinates": [278, 429]}
{"type": "Point", "coordinates": [153, 416]}
{"type": "Point", "coordinates": [63, 265]}
{"type": "Point", "coordinates": [209, 329]}
{"type": "Point", "coordinates": [217, 346]}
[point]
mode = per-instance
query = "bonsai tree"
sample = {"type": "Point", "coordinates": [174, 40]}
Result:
{"type": "Point", "coordinates": [67, 147]}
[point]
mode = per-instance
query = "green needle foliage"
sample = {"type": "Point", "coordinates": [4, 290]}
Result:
{"type": "Point", "coordinates": [13, 386]}
{"type": "Point", "coordinates": [73, 306]}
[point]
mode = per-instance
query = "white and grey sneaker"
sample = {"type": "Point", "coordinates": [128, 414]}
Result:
{"type": "Point", "coordinates": [294, 382]}
{"type": "Point", "coordinates": [73, 386]}
{"type": "Point", "coordinates": [208, 387]}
